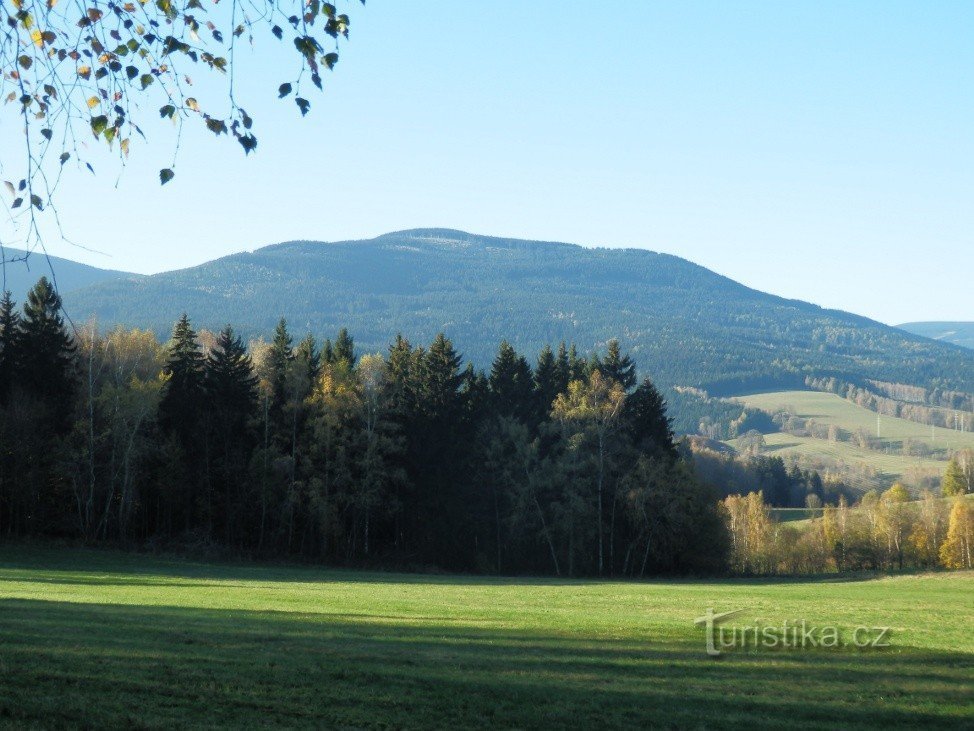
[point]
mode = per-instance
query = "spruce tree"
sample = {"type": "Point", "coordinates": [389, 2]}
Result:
{"type": "Point", "coordinates": [511, 384]}
{"type": "Point", "coordinates": [231, 399]}
{"type": "Point", "coordinates": [441, 377]}
{"type": "Point", "coordinates": [328, 352]}
{"type": "Point", "coordinates": [182, 415]}
{"type": "Point", "coordinates": [182, 400]}
{"type": "Point", "coordinates": [231, 385]}
{"type": "Point", "coordinates": [645, 419]}
{"type": "Point", "coordinates": [563, 369]}
{"type": "Point", "coordinates": [308, 355]}
{"type": "Point", "coordinates": [577, 367]}
{"type": "Point", "coordinates": [618, 367]}
{"type": "Point", "coordinates": [953, 482]}
{"type": "Point", "coordinates": [46, 367]}
{"type": "Point", "coordinates": [438, 444]}
{"type": "Point", "coordinates": [345, 348]}
{"type": "Point", "coordinates": [281, 357]}
{"type": "Point", "coordinates": [9, 328]}
{"type": "Point", "coordinates": [547, 384]}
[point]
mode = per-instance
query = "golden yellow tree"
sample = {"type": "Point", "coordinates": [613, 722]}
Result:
{"type": "Point", "coordinates": [928, 531]}
{"type": "Point", "coordinates": [957, 552]}
{"type": "Point", "coordinates": [895, 518]}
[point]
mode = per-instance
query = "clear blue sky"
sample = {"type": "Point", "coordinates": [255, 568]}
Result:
{"type": "Point", "coordinates": [822, 151]}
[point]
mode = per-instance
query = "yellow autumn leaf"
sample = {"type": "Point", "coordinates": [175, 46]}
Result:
{"type": "Point", "coordinates": [93, 102]}
{"type": "Point", "coordinates": [124, 144]}
{"type": "Point", "coordinates": [17, 4]}
{"type": "Point", "coordinates": [35, 35]}
{"type": "Point", "coordinates": [84, 71]}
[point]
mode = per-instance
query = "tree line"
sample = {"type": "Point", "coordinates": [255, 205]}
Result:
{"type": "Point", "coordinates": [882, 532]}
{"type": "Point", "coordinates": [407, 458]}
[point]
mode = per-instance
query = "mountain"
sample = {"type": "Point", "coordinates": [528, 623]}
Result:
{"type": "Point", "coordinates": [958, 333]}
{"type": "Point", "coordinates": [19, 272]}
{"type": "Point", "coordinates": [684, 324]}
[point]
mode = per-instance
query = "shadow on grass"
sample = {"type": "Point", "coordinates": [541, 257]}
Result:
{"type": "Point", "coordinates": [55, 566]}
{"type": "Point", "coordinates": [64, 664]}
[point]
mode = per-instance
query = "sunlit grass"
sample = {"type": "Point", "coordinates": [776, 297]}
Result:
{"type": "Point", "coordinates": [109, 639]}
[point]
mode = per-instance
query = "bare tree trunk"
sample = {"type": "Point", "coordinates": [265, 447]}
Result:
{"type": "Point", "coordinates": [601, 478]}
{"type": "Point", "coordinates": [91, 439]}
{"type": "Point", "coordinates": [642, 569]}
{"type": "Point", "coordinates": [497, 529]}
{"type": "Point", "coordinates": [612, 535]}
{"type": "Point", "coordinates": [547, 535]}
{"type": "Point", "coordinates": [263, 481]}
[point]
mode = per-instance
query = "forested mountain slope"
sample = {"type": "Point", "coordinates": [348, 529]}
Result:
{"type": "Point", "coordinates": [19, 273]}
{"type": "Point", "coordinates": [958, 333]}
{"type": "Point", "coordinates": [684, 325]}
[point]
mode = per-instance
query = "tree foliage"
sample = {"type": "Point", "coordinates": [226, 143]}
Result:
{"type": "Point", "coordinates": [408, 458]}
{"type": "Point", "coordinates": [101, 70]}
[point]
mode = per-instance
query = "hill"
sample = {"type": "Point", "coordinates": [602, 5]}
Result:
{"type": "Point", "coordinates": [958, 333]}
{"type": "Point", "coordinates": [20, 273]}
{"type": "Point", "coordinates": [684, 324]}
{"type": "Point", "coordinates": [867, 450]}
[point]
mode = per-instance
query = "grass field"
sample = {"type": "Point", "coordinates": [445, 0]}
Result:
{"type": "Point", "coordinates": [828, 408]}
{"type": "Point", "coordinates": [100, 639]}
{"type": "Point", "coordinates": [850, 460]}
{"type": "Point", "coordinates": [847, 457]}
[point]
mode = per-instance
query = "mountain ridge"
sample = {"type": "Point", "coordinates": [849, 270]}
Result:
{"type": "Point", "coordinates": [684, 324]}
{"type": "Point", "coordinates": [956, 332]}
{"type": "Point", "coordinates": [21, 270]}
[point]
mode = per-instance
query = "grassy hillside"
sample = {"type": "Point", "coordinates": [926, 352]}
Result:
{"type": "Point", "coordinates": [862, 468]}
{"type": "Point", "coordinates": [18, 274]}
{"type": "Point", "coordinates": [832, 409]}
{"type": "Point", "coordinates": [684, 324]}
{"type": "Point", "coordinates": [958, 333]}
{"type": "Point", "coordinates": [103, 639]}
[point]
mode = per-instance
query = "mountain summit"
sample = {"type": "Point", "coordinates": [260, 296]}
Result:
{"type": "Point", "coordinates": [684, 324]}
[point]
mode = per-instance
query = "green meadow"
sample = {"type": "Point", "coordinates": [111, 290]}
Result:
{"type": "Point", "coordinates": [863, 469]}
{"type": "Point", "coordinates": [828, 408]}
{"type": "Point", "coordinates": [106, 639]}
